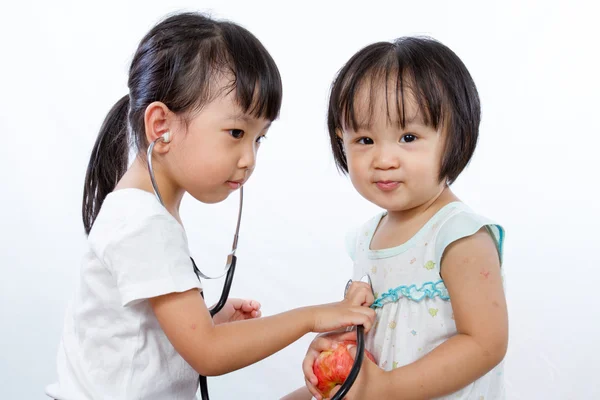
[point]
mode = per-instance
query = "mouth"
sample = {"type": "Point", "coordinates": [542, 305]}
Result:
{"type": "Point", "coordinates": [235, 184]}
{"type": "Point", "coordinates": [387, 186]}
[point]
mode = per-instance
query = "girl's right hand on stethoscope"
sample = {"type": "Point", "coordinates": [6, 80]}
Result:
{"type": "Point", "coordinates": [359, 294]}
{"type": "Point", "coordinates": [353, 310]}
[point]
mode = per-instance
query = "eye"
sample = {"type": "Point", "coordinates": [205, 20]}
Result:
{"type": "Point", "coordinates": [236, 133]}
{"type": "Point", "coordinates": [365, 140]}
{"type": "Point", "coordinates": [261, 139]}
{"type": "Point", "coordinates": [408, 138]}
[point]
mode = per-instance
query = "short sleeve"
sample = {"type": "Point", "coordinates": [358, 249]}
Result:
{"type": "Point", "coordinates": [149, 259]}
{"type": "Point", "coordinates": [465, 224]}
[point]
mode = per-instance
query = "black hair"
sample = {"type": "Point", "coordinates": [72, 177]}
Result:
{"type": "Point", "coordinates": [174, 64]}
{"type": "Point", "coordinates": [436, 78]}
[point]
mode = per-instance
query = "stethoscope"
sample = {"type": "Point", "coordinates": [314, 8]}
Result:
{"type": "Point", "coordinates": [229, 272]}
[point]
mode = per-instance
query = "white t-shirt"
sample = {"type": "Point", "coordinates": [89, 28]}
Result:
{"type": "Point", "coordinates": [112, 346]}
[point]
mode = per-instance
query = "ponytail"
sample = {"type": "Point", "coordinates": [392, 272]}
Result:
{"type": "Point", "coordinates": [108, 161]}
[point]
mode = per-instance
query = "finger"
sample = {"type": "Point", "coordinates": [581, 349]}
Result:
{"type": "Point", "coordinates": [253, 305]}
{"type": "Point", "coordinates": [352, 351]}
{"type": "Point", "coordinates": [370, 315]}
{"type": "Point", "coordinates": [247, 306]}
{"type": "Point", "coordinates": [360, 294]}
{"type": "Point", "coordinates": [366, 360]}
{"type": "Point", "coordinates": [318, 345]}
{"type": "Point", "coordinates": [312, 389]}
{"type": "Point", "coordinates": [357, 285]}
{"type": "Point", "coordinates": [321, 343]}
{"type": "Point", "coordinates": [307, 367]}
{"type": "Point", "coordinates": [356, 297]}
{"type": "Point", "coordinates": [256, 314]}
{"type": "Point", "coordinates": [346, 336]}
{"type": "Point", "coordinates": [362, 317]}
{"type": "Point", "coordinates": [333, 392]}
{"type": "Point", "coordinates": [235, 303]}
{"type": "Point", "coordinates": [368, 312]}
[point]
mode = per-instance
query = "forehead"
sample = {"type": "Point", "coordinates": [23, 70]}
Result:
{"type": "Point", "coordinates": [388, 101]}
{"type": "Point", "coordinates": [224, 102]}
{"type": "Point", "coordinates": [227, 94]}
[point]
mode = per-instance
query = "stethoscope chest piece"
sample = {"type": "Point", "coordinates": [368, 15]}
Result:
{"type": "Point", "coordinates": [360, 347]}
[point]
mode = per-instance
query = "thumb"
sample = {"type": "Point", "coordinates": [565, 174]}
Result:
{"type": "Point", "coordinates": [352, 349]}
{"type": "Point", "coordinates": [231, 302]}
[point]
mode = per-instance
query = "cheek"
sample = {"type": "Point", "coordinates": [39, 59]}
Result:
{"type": "Point", "coordinates": [357, 163]}
{"type": "Point", "coordinates": [200, 162]}
{"type": "Point", "coordinates": [424, 164]}
{"type": "Point", "coordinates": [427, 170]}
{"type": "Point", "coordinates": [422, 173]}
{"type": "Point", "coordinates": [357, 172]}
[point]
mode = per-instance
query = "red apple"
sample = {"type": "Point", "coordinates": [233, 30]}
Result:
{"type": "Point", "coordinates": [333, 366]}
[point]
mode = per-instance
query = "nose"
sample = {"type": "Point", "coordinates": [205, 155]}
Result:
{"type": "Point", "coordinates": [386, 158]}
{"type": "Point", "coordinates": [247, 159]}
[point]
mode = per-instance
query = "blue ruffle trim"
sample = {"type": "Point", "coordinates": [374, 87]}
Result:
{"type": "Point", "coordinates": [427, 290]}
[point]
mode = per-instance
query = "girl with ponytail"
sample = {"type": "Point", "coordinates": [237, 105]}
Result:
{"type": "Point", "coordinates": [138, 327]}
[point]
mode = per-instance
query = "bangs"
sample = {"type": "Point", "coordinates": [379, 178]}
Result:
{"type": "Point", "coordinates": [256, 78]}
{"type": "Point", "coordinates": [380, 74]}
{"type": "Point", "coordinates": [231, 52]}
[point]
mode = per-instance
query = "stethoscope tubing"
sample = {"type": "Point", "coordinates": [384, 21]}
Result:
{"type": "Point", "coordinates": [230, 271]}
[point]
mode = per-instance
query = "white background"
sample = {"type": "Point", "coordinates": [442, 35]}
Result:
{"type": "Point", "coordinates": [536, 63]}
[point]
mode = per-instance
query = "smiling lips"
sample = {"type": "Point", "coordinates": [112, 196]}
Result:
{"type": "Point", "coordinates": [387, 186]}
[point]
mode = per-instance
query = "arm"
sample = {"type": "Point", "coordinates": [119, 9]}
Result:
{"type": "Point", "coordinates": [217, 349]}
{"type": "Point", "coordinates": [471, 272]}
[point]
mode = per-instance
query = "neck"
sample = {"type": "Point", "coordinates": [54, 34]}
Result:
{"type": "Point", "coordinates": [426, 210]}
{"type": "Point", "coordinates": [137, 176]}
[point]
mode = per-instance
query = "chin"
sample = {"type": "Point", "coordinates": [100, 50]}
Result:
{"type": "Point", "coordinates": [210, 198]}
{"type": "Point", "coordinates": [387, 202]}
{"type": "Point", "coordinates": [393, 206]}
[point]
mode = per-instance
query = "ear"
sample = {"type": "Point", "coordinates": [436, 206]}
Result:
{"type": "Point", "coordinates": [158, 121]}
{"type": "Point", "coordinates": [340, 137]}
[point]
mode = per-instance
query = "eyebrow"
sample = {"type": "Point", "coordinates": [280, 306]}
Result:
{"type": "Point", "coordinates": [242, 116]}
{"type": "Point", "coordinates": [246, 118]}
{"type": "Point", "coordinates": [417, 120]}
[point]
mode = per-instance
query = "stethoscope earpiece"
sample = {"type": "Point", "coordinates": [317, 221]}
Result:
{"type": "Point", "coordinates": [166, 137]}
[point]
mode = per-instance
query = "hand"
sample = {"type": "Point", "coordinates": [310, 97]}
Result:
{"type": "Point", "coordinates": [353, 310]}
{"type": "Point", "coordinates": [321, 343]}
{"type": "Point", "coordinates": [369, 384]}
{"type": "Point", "coordinates": [359, 294]}
{"type": "Point", "coordinates": [237, 310]}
